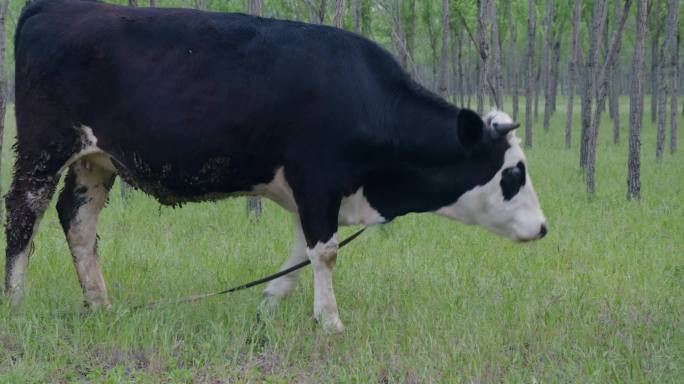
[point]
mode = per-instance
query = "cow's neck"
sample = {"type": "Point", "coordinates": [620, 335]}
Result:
{"type": "Point", "coordinates": [427, 151]}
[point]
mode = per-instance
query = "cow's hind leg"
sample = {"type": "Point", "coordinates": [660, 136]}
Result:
{"type": "Point", "coordinates": [29, 196]}
{"type": "Point", "coordinates": [84, 195]}
{"type": "Point", "coordinates": [283, 286]}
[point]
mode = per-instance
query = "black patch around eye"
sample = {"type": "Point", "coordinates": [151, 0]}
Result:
{"type": "Point", "coordinates": [512, 179]}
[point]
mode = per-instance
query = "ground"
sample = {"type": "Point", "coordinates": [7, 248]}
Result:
{"type": "Point", "coordinates": [423, 299]}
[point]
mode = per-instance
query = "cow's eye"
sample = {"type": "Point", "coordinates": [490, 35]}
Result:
{"type": "Point", "coordinates": [512, 179]}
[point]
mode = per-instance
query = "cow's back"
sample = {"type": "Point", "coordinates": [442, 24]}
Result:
{"type": "Point", "coordinates": [172, 93]}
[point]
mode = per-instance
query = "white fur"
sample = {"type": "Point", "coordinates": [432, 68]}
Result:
{"type": "Point", "coordinates": [82, 236]}
{"type": "Point", "coordinates": [520, 218]}
{"type": "Point", "coordinates": [323, 257]}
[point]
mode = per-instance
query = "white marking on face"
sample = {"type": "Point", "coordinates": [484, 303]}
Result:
{"type": "Point", "coordinates": [519, 218]}
{"type": "Point", "coordinates": [355, 209]}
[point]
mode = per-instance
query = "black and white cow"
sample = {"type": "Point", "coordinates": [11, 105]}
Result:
{"type": "Point", "coordinates": [193, 106]}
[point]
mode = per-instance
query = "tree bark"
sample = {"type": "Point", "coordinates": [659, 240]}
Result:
{"type": "Point", "coordinates": [615, 87]}
{"type": "Point", "coordinates": [317, 10]}
{"type": "Point", "coordinates": [199, 4]}
{"type": "Point", "coordinates": [3, 85]}
{"type": "Point", "coordinates": [410, 32]}
{"type": "Point", "coordinates": [602, 84]}
{"type": "Point", "coordinates": [573, 64]}
{"type": "Point", "coordinates": [338, 16]}
{"type": "Point", "coordinates": [590, 75]}
{"type": "Point", "coordinates": [132, 3]}
{"type": "Point", "coordinates": [443, 87]}
{"type": "Point", "coordinates": [673, 105]}
{"type": "Point", "coordinates": [636, 106]}
{"type": "Point", "coordinates": [546, 63]}
{"type": "Point", "coordinates": [254, 204]}
{"type": "Point", "coordinates": [483, 72]}
{"type": "Point", "coordinates": [254, 7]}
{"type": "Point", "coordinates": [668, 46]}
{"type": "Point", "coordinates": [657, 24]}
{"type": "Point", "coordinates": [529, 83]}
{"type": "Point", "coordinates": [356, 15]}
{"type": "Point", "coordinates": [153, 3]}
{"type": "Point", "coordinates": [512, 61]}
{"type": "Point", "coordinates": [495, 79]}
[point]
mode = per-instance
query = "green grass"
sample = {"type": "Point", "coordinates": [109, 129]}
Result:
{"type": "Point", "coordinates": [600, 299]}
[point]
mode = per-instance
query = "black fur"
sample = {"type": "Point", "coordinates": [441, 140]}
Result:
{"type": "Point", "coordinates": [194, 105]}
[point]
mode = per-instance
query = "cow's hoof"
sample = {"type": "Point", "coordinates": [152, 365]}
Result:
{"type": "Point", "coordinates": [268, 304]}
{"type": "Point", "coordinates": [97, 304]}
{"type": "Point", "coordinates": [332, 325]}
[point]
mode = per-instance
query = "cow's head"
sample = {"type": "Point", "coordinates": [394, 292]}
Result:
{"type": "Point", "coordinates": [500, 196]}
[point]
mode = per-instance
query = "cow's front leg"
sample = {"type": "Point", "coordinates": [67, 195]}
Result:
{"type": "Point", "coordinates": [323, 256]}
{"type": "Point", "coordinates": [319, 208]}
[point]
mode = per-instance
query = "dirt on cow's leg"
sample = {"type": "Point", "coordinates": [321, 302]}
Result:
{"type": "Point", "coordinates": [25, 203]}
{"type": "Point", "coordinates": [84, 195]}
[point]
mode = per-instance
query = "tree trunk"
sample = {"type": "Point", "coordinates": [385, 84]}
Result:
{"type": "Point", "coordinates": [512, 62]}
{"type": "Point", "coordinates": [443, 89]}
{"type": "Point", "coordinates": [657, 25]}
{"type": "Point", "coordinates": [529, 82]}
{"type": "Point", "coordinates": [483, 73]}
{"type": "Point", "coordinates": [132, 3]}
{"type": "Point", "coordinates": [3, 84]}
{"type": "Point", "coordinates": [546, 63]}
{"type": "Point", "coordinates": [573, 64]}
{"type": "Point", "coordinates": [590, 75]}
{"type": "Point", "coordinates": [254, 204]}
{"type": "Point", "coordinates": [254, 7]}
{"type": "Point", "coordinates": [615, 87]}
{"type": "Point", "coordinates": [668, 45]}
{"type": "Point", "coordinates": [410, 33]}
{"type": "Point", "coordinates": [199, 4]}
{"type": "Point", "coordinates": [555, 65]}
{"type": "Point", "coordinates": [366, 18]}
{"type": "Point", "coordinates": [495, 78]}
{"type": "Point", "coordinates": [673, 105]}
{"type": "Point", "coordinates": [636, 106]}
{"type": "Point", "coordinates": [356, 15]}
{"type": "Point", "coordinates": [338, 16]}
{"type": "Point", "coordinates": [602, 86]}
{"type": "Point", "coordinates": [153, 3]}
{"type": "Point", "coordinates": [317, 10]}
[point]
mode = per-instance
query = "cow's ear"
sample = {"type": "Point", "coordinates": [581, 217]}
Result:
{"type": "Point", "coordinates": [470, 127]}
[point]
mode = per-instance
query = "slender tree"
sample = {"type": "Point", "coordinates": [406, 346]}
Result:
{"type": "Point", "coordinates": [443, 86]}
{"type": "Point", "coordinates": [338, 16]}
{"type": "Point", "coordinates": [153, 3]}
{"type": "Point", "coordinates": [356, 15]}
{"type": "Point", "coordinates": [513, 64]}
{"type": "Point", "coordinates": [590, 75]}
{"type": "Point", "coordinates": [673, 105]}
{"type": "Point", "coordinates": [3, 82]}
{"type": "Point", "coordinates": [602, 86]}
{"type": "Point", "coordinates": [483, 48]}
{"type": "Point", "coordinates": [636, 106]}
{"type": "Point", "coordinates": [254, 204]}
{"type": "Point", "coordinates": [132, 3]}
{"type": "Point", "coordinates": [495, 79]}
{"type": "Point", "coordinates": [529, 74]}
{"type": "Point", "coordinates": [546, 63]}
{"type": "Point", "coordinates": [615, 87]}
{"type": "Point", "coordinates": [657, 27]}
{"type": "Point", "coordinates": [668, 45]}
{"type": "Point", "coordinates": [573, 64]}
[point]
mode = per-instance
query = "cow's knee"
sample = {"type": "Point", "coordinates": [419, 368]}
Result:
{"type": "Point", "coordinates": [79, 205]}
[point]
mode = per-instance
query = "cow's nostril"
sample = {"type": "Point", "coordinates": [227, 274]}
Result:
{"type": "Point", "coordinates": [544, 230]}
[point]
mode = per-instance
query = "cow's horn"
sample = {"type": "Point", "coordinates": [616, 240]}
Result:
{"type": "Point", "coordinates": [504, 128]}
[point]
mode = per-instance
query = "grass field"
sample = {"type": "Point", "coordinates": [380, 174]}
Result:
{"type": "Point", "coordinates": [600, 299]}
